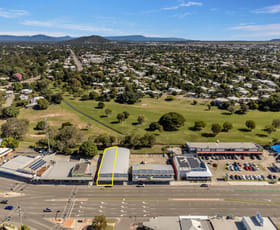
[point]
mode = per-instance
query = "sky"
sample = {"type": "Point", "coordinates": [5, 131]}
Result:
{"type": "Point", "coordinates": [194, 19]}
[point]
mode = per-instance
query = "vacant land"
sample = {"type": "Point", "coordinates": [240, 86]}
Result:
{"type": "Point", "coordinates": [153, 109]}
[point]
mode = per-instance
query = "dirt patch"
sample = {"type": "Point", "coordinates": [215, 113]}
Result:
{"type": "Point", "coordinates": [53, 115]}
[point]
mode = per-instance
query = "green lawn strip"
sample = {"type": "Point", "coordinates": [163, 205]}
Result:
{"type": "Point", "coordinates": [111, 221]}
{"type": "Point", "coordinates": [252, 202]}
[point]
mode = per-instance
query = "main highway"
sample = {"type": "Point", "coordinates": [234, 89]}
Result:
{"type": "Point", "coordinates": [68, 201]}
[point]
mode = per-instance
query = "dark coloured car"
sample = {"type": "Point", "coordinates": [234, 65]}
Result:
{"type": "Point", "coordinates": [9, 207]}
{"type": "Point", "coordinates": [4, 201]}
{"type": "Point", "coordinates": [47, 210]}
{"type": "Point", "coordinates": [204, 185]}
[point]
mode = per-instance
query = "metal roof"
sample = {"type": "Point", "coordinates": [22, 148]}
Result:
{"type": "Point", "coordinates": [18, 162]}
{"type": "Point", "coordinates": [115, 160]}
{"type": "Point", "coordinates": [222, 145]}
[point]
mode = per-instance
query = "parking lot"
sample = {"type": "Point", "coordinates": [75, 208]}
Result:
{"type": "Point", "coordinates": [245, 168]}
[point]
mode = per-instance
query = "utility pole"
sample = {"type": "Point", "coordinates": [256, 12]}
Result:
{"type": "Point", "coordinates": [47, 131]}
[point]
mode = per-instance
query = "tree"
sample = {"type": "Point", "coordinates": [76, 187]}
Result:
{"type": "Point", "coordinates": [15, 128]}
{"type": "Point", "coordinates": [40, 125]}
{"type": "Point", "coordinates": [100, 105]}
{"type": "Point", "coordinates": [216, 128]}
{"type": "Point", "coordinates": [250, 124]}
{"type": "Point", "coordinates": [42, 104]}
{"type": "Point", "coordinates": [199, 125]}
{"type": "Point", "coordinates": [172, 121]}
{"type": "Point", "coordinates": [126, 114]}
{"type": "Point", "coordinates": [24, 227]}
{"type": "Point", "coordinates": [276, 123]}
{"type": "Point", "coordinates": [243, 108]}
{"type": "Point", "coordinates": [57, 98]}
{"type": "Point", "coordinates": [170, 98]}
{"type": "Point", "coordinates": [104, 140]}
{"type": "Point", "coordinates": [88, 149]}
{"type": "Point", "coordinates": [154, 126]}
{"type": "Point", "coordinates": [11, 111]}
{"type": "Point", "coordinates": [99, 223]}
{"type": "Point", "coordinates": [128, 97]}
{"type": "Point", "coordinates": [67, 137]}
{"type": "Point", "coordinates": [227, 126]}
{"type": "Point", "coordinates": [10, 142]}
{"type": "Point", "coordinates": [231, 109]}
{"type": "Point", "coordinates": [121, 117]}
{"type": "Point", "coordinates": [108, 112]}
{"type": "Point", "coordinates": [141, 119]}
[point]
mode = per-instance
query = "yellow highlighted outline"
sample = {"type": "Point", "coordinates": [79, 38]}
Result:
{"type": "Point", "coordinates": [97, 181]}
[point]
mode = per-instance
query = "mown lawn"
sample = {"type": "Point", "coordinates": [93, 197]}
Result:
{"type": "Point", "coordinates": [153, 109]}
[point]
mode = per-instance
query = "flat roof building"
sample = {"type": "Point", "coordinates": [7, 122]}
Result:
{"type": "Point", "coordinates": [4, 152]}
{"type": "Point", "coordinates": [157, 173]}
{"type": "Point", "coordinates": [190, 167]}
{"type": "Point", "coordinates": [204, 148]}
{"type": "Point", "coordinates": [258, 223]}
{"type": "Point", "coordinates": [114, 166]}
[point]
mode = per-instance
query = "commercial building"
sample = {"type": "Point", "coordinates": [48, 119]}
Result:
{"type": "Point", "coordinates": [257, 223]}
{"type": "Point", "coordinates": [114, 166]}
{"type": "Point", "coordinates": [178, 223]}
{"type": "Point", "coordinates": [209, 148]}
{"type": "Point", "coordinates": [190, 167]}
{"type": "Point", "coordinates": [65, 172]}
{"type": "Point", "coordinates": [5, 152]}
{"type": "Point", "coordinates": [152, 173]}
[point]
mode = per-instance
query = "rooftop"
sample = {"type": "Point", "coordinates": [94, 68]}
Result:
{"type": "Point", "coordinates": [223, 145]}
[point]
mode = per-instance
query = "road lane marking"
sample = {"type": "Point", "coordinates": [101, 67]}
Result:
{"type": "Point", "coordinates": [195, 199]}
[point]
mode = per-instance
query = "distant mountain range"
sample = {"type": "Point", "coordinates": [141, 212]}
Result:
{"type": "Point", "coordinates": [86, 40]}
{"type": "Point", "coordinates": [275, 40]}
{"type": "Point", "coordinates": [141, 38]}
{"type": "Point", "coordinates": [34, 38]}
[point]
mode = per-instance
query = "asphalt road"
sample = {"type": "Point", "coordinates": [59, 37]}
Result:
{"type": "Point", "coordinates": [129, 201]}
{"type": "Point", "coordinates": [76, 61]}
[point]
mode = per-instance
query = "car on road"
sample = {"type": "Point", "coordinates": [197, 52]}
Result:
{"type": "Point", "coordinates": [4, 201]}
{"type": "Point", "coordinates": [204, 185]}
{"type": "Point", "coordinates": [47, 210]}
{"type": "Point", "coordinates": [10, 207]}
{"type": "Point", "coordinates": [140, 185]}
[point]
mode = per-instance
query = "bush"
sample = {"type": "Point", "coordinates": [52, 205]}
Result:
{"type": "Point", "coordinates": [100, 105]}
{"type": "Point", "coordinates": [216, 129]}
{"type": "Point", "coordinates": [11, 111]}
{"type": "Point", "coordinates": [199, 125]}
{"type": "Point", "coordinates": [227, 126]}
{"type": "Point", "coordinates": [172, 121]}
{"type": "Point", "coordinates": [42, 104]}
{"type": "Point", "coordinates": [170, 98]}
{"type": "Point", "coordinates": [40, 125]}
{"type": "Point", "coordinates": [250, 124]}
{"type": "Point", "coordinates": [88, 149]}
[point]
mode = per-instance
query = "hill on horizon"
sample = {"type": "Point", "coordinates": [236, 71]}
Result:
{"type": "Point", "coordinates": [33, 38]}
{"type": "Point", "coordinates": [141, 38]}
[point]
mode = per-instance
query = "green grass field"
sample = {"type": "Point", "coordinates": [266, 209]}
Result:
{"type": "Point", "coordinates": [153, 109]}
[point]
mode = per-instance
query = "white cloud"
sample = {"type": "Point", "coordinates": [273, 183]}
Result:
{"type": "Point", "coordinates": [267, 27]}
{"type": "Point", "coordinates": [4, 13]}
{"type": "Point", "coordinates": [268, 10]}
{"type": "Point", "coordinates": [69, 26]}
{"type": "Point", "coordinates": [257, 31]}
{"type": "Point", "coordinates": [183, 4]}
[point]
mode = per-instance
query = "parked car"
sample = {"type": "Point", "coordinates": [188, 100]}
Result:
{"type": "Point", "coordinates": [4, 201]}
{"type": "Point", "coordinates": [9, 207]}
{"type": "Point", "coordinates": [140, 185]}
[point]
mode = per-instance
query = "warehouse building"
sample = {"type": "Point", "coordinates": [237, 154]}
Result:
{"type": "Point", "coordinates": [190, 167]}
{"type": "Point", "coordinates": [209, 148]}
{"type": "Point", "coordinates": [114, 166]}
{"type": "Point", "coordinates": [152, 173]}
